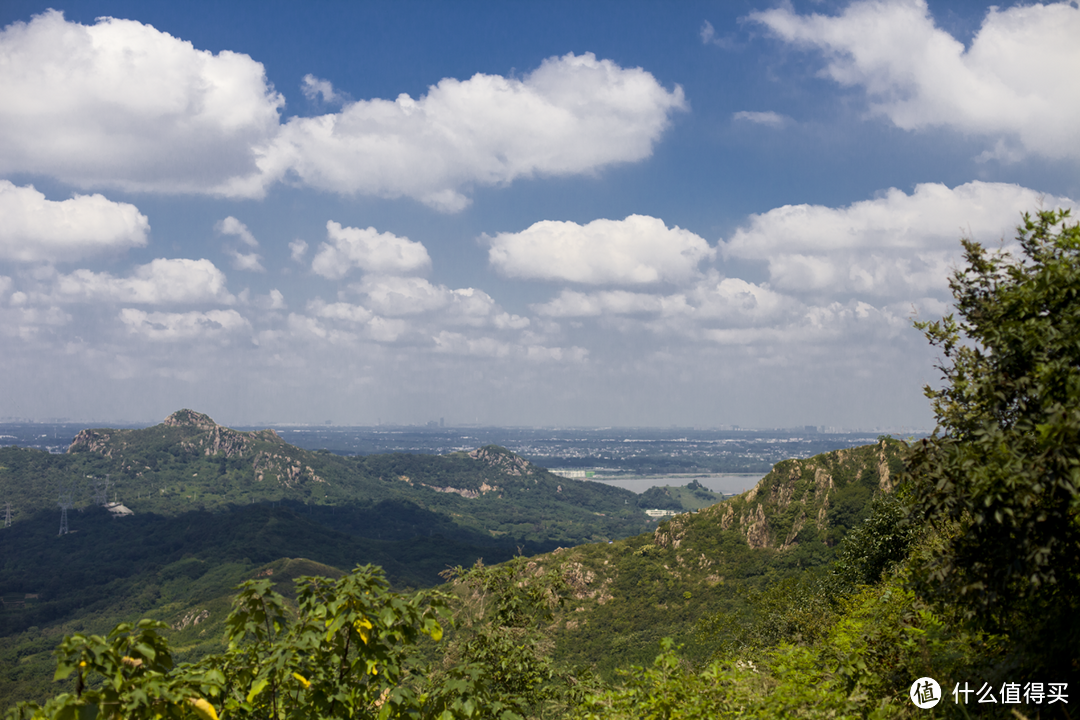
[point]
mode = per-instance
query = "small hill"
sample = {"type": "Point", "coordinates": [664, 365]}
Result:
{"type": "Point", "coordinates": [628, 594]}
{"type": "Point", "coordinates": [693, 496]}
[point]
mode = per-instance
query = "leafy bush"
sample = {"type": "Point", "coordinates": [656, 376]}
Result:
{"type": "Point", "coordinates": [348, 649]}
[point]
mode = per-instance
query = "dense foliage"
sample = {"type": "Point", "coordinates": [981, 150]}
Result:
{"type": "Point", "coordinates": [1001, 478]}
{"type": "Point", "coordinates": [344, 648]}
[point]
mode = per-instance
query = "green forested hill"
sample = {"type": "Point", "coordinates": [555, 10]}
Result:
{"type": "Point", "coordinates": [215, 506]}
{"type": "Point", "coordinates": [212, 506]}
{"type": "Point", "coordinates": [627, 595]}
{"type": "Point", "coordinates": [189, 463]}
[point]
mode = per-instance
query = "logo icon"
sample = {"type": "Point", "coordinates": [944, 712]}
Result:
{"type": "Point", "coordinates": [925, 693]}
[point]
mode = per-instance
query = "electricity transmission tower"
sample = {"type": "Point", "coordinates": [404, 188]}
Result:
{"type": "Point", "coordinates": [101, 491]}
{"type": "Point", "coordinates": [65, 503]}
{"type": "Point", "coordinates": [7, 516]}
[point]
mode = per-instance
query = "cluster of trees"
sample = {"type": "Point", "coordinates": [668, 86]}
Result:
{"type": "Point", "coordinates": [969, 573]}
{"type": "Point", "coordinates": [344, 648]}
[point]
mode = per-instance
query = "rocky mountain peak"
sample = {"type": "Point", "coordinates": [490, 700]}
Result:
{"type": "Point", "coordinates": [190, 418]}
{"type": "Point", "coordinates": [502, 459]}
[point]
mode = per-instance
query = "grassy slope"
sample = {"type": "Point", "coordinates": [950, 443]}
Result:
{"type": "Point", "coordinates": [692, 496]}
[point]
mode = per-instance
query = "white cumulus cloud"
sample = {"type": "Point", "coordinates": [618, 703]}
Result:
{"type": "Point", "coordinates": [183, 326]}
{"type": "Point", "coordinates": [453, 343]}
{"type": "Point", "coordinates": [369, 250]}
{"type": "Point", "coordinates": [340, 311]}
{"type": "Point", "coordinates": [638, 250]}
{"type": "Point", "coordinates": [121, 104]}
{"type": "Point", "coordinates": [571, 303]}
{"type": "Point", "coordinates": [1015, 83]}
{"type": "Point", "coordinates": [896, 245]}
{"type": "Point", "coordinates": [735, 301]}
{"type": "Point", "coordinates": [317, 89]}
{"type": "Point", "coordinates": [297, 249]}
{"type": "Point", "coordinates": [573, 114]}
{"type": "Point", "coordinates": [768, 118]}
{"type": "Point", "coordinates": [713, 301]}
{"type": "Point", "coordinates": [160, 281]}
{"type": "Point", "coordinates": [33, 228]}
{"type": "Point", "coordinates": [232, 226]}
{"type": "Point", "coordinates": [245, 261]}
{"type": "Point", "coordinates": [241, 260]}
{"type": "Point", "coordinates": [392, 295]}
{"type": "Point", "coordinates": [398, 296]}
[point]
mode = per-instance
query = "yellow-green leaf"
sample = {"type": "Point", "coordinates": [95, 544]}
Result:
{"type": "Point", "coordinates": [257, 688]}
{"type": "Point", "coordinates": [363, 626]}
{"type": "Point", "coordinates": [203, 709]}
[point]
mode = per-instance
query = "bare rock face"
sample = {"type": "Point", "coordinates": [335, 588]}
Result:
{"type": "Point", "coordinates": [670, 534]}
{"type": "Point", "coordinates": [190, 418]}
{"type": "Point", "coordinates": [757, 529]}
{"type": "Point", "coordinates": [288, 471]}
{"type": "Point", "coordinates": [504, 460]}
{"type": "Point", "coordinates": [798, 494]}
{"type": "Point", "coordinates": [96, 441]}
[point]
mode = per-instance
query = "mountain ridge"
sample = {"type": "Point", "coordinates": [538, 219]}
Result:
{"type": "Point", "coordinates": [628, 594]}
{"type": "Point", "coordinates": [189, 462]}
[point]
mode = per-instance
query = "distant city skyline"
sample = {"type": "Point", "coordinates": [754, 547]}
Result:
{"type": "Point", "coordinates": [533, 214]}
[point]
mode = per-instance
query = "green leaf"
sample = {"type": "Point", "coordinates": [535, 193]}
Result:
{"type": "Point", "coordinates": [256, 688]}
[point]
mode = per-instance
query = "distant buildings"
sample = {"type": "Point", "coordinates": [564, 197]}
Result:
{"type": "Point", "coordinates": [573, 474]}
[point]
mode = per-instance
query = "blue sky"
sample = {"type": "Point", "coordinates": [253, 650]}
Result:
{"type": "Point", "coordinates": [624, 213]}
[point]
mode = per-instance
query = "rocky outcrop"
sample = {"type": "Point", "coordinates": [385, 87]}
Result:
{"type": "Point", "coordinates": [189, 419]}
{"type": "Point", "coordinates": [799, 494]}
{"type": "Point", "coordinates": [95, 441]}
{"type": "Point", "coordinates": [213, 439]}
{"type": "Point", "coordinates": [463, 492]}
{"type": "Point", "coordinates": [671, 534]}
{"type": "Point", "coordinates": [289, 472]}
{"type": "Point", "coordinates": [503, 460]}
{"type": "Point", "coordinates": [193, 431]}
{"type": "Point", "coordinates": [191, 618]}
{"type": "Point", "coordinates": [884, 476]}
{"type": "Point", "coordinates": [757, 528]}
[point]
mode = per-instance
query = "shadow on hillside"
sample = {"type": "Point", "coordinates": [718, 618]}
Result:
{"type": "Point", "coordinates": [108, 564]}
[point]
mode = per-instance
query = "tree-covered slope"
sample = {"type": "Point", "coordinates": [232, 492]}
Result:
{"type": "Point", "coordinates": [171, 568]}
{"type": "Point", "coordinates": [212, 505]}
{"type": "Point", "coordinates": [188, 462]}
{"type": "Point", "coordinates": [693, 496]}
{"type": "Point", "coordinates": [628, 594]}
